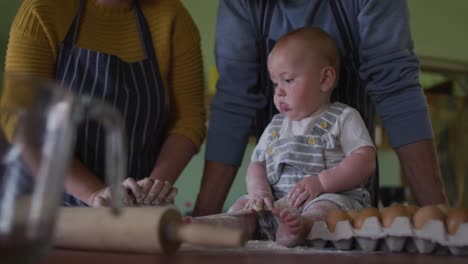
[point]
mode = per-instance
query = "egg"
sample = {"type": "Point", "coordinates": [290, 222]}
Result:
{"type": "Point", "coordinates": [352, 213]}
{"type": "Point", "coordinates": [388, 214]}
{"type": "Point", "coordinates": [362, 215]}
{"type": "Point", "coordinates": [427, 213]}
{"type": "Point", "coordinates": [455, 218]}
{"type": "Point", "coordinates": [411, 209]}
{"type": "Point", "coordinates": [336, 216]}
{"type": "Point", "coordinates": [444, 208]}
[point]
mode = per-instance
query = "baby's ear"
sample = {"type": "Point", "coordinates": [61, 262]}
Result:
{"type": "Point", "coordinates": [328, 79]}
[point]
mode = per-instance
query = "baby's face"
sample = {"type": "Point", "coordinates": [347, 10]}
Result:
{"type": "Point", "coordinates": [297, 84]}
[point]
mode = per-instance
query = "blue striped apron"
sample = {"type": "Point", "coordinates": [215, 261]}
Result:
{"type": "Point", "coordinates": [134, 89]}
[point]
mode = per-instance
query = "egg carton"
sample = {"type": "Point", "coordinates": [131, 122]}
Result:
{"type": "Point", "coordinates": [399, 236]}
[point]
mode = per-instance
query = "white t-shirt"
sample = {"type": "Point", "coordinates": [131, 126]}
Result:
{"type": "Point", "coordinates": [349, 130]}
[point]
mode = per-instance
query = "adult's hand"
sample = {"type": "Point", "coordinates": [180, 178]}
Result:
{"type": "Point", "coordinates": [156, 192]}
{"type": "Point", "coordinates": [130, 191]}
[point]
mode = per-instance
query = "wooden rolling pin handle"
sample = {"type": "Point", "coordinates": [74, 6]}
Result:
{"type": "Point", "coordinates": [207, 235]}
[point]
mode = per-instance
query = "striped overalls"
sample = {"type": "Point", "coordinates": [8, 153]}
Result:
{"type": "Point", "coordinates": [290, 159]}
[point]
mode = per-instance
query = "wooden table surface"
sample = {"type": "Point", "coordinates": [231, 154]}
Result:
{"type": "Point", "coordinates": [58, 256]}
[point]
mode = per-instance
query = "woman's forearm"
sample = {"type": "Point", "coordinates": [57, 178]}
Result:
{"type": "Point", "coordinates": [81, 182]}
{"type": "Point", "coordinates": [176, 153]}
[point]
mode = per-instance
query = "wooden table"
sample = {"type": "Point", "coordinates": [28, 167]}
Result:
{"type": "Point", "coordinates": [186, 257]}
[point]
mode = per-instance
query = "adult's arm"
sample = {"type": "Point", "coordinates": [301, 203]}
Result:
{"type": "Point", "coordinates": [31, 51]}
{"type": "Point", "coordinates": [214, 187]}
{"type": "Point", "coordinates": [391, 69]}
{"type": "Point", "coordinates": [186, 100]}
{"type": "Point", "coordinates": [421, 167]}
{"type": "Point", "coordinates": [175, 154]}
{"type": "Point", "coordinates": [236, 101]}
{"type": "Point", "coordinates": [185, 81]}
{"type": "Point", "coordinates": [233, 106]}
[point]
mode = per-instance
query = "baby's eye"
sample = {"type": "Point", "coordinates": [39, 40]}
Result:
{"type": "Point", "coordinates": [289, 80]}
{"type": "Point", "coordinates": [275, 84]}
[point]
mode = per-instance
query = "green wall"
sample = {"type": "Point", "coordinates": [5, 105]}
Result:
{"type": "Point", "coordinates": [438, 29]}
{"type": "Point", "coordinates": [204, 15]}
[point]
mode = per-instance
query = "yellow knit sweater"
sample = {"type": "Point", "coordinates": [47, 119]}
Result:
{"type": "Point", "coordinates": [41, 25]}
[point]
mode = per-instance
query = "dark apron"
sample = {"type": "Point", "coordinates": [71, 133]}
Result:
{"type": "Point", "coordinates": [351, 90]}
{"type": "Point", "coordinates": [134, 89]}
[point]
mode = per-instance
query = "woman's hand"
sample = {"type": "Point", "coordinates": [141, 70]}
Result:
{"type": "Point", "coordinates": [156, 192]}
{"type": "Point", "coordinates": [147, 192]}
{"type": "Point", "coordinates": [130, 192]}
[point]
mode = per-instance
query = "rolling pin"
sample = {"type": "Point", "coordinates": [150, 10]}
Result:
{"type": "Point", "coordinates": [137, 229]}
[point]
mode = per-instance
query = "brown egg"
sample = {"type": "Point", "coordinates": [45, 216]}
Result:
{"type": "Point", "coordinates": [444, 208]}
{"type": "Point", "coordinates": [388, 214]}
{"type": "Point", "coordinates": [411, 209]}
{"type": "Point", "coordinates": [455, 218]}
{"type": "Point", "coordinates": [427, 213]}
{"type": "Point", "coordinates": [336, 216]}
{"type": "Point", "coordinates": [365, 213]}
{"type": "Point", "coordinates": [352, 213]}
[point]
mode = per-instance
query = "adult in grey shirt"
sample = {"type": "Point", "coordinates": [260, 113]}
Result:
{"type": "Point", "coordinates": [387, 65]}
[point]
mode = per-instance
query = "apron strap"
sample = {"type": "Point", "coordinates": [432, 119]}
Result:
{"type": "Point", "coordinates": [264, 115]}
{"type": "Point", "coordinates": [142, 25]}
{"type": "Point", "coordinates": [345, 32]}
{"type": "Point", "coordinates": [72, 33]}
{"type": "Point", "coordinates": [145, 35]}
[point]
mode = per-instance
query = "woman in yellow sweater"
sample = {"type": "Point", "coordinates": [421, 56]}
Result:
{"type": "Point", "coordinates": [142, 56]}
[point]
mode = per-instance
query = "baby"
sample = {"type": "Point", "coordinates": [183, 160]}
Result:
{"type": "Point", "coordinates": [314, 156]}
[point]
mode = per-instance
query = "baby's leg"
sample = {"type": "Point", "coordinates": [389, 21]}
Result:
{"type": "Point", "coordinates": [294, 227]}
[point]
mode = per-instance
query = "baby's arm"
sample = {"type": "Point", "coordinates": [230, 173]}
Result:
{"type": "Point", "coordinates": [360, 161]}
{"type": "Point", "coordinates": [351, 172]}
{"type": "Point", "coordinates": [258, 187]}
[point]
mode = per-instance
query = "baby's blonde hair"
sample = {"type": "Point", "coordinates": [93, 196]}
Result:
{"type": "Point", "coordinates": [317, 42]}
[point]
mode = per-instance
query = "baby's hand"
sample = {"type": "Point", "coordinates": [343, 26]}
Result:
{"type": "Point", "coordinates": [304, 191]}
{"type": "Point", "coordinates": [156, 192]}
{"type": "Point", "coordinates": [258, 201]}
